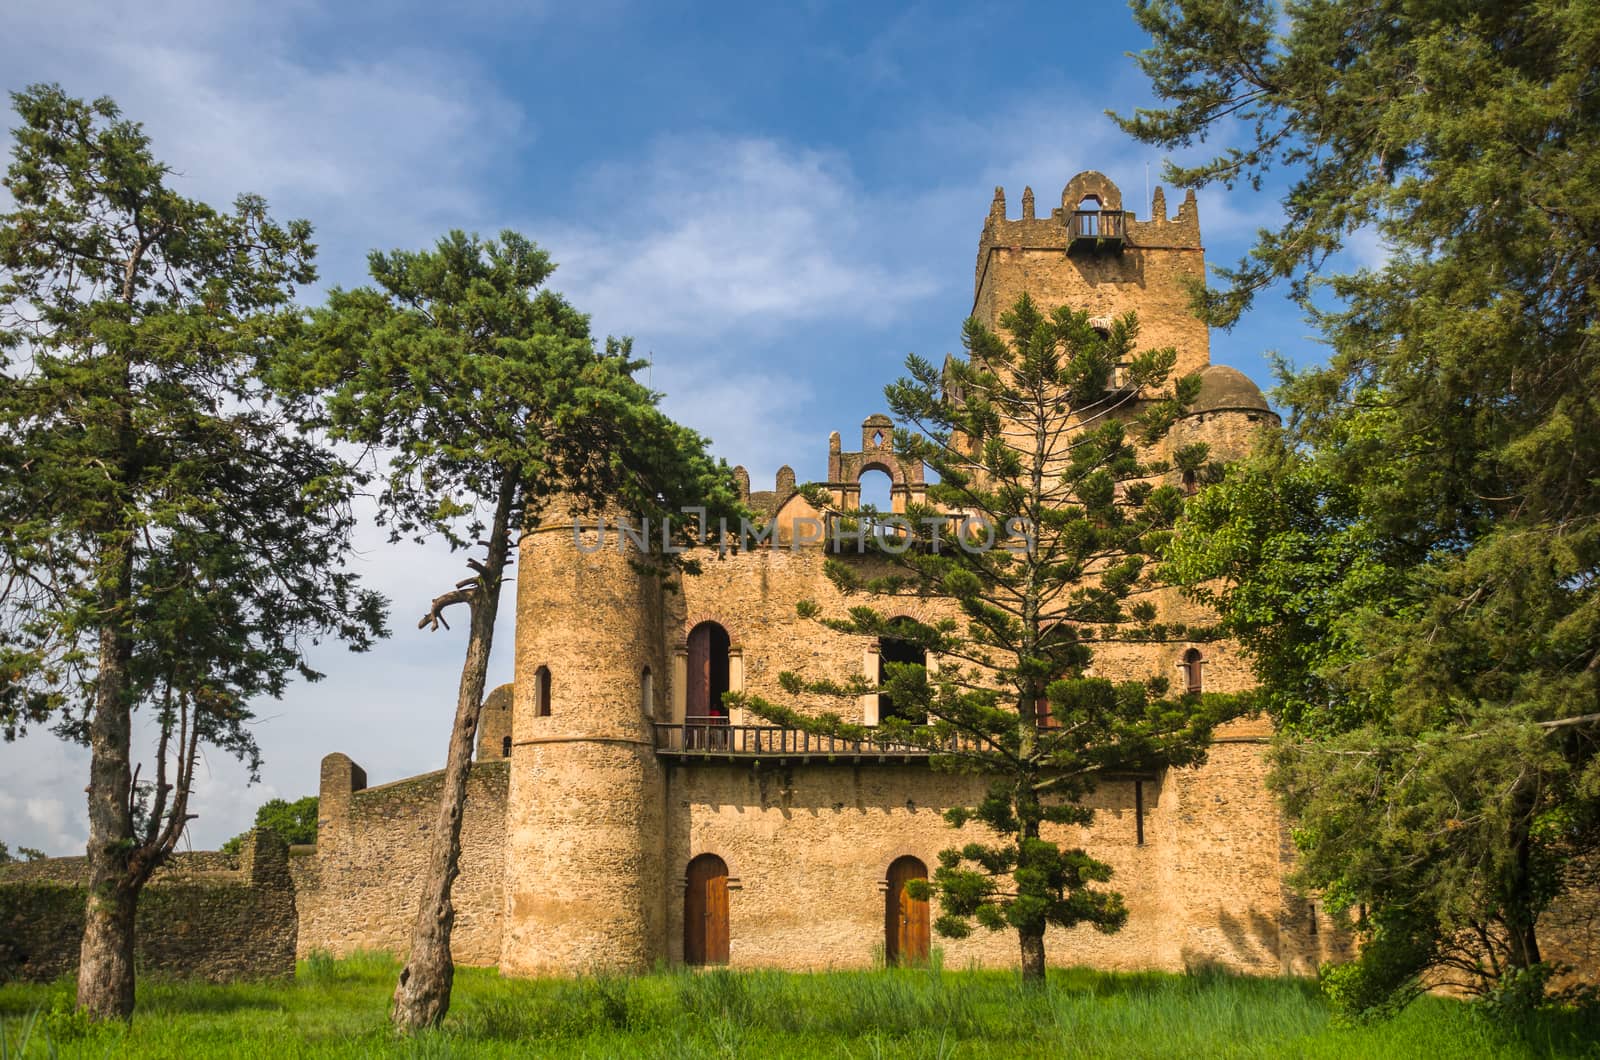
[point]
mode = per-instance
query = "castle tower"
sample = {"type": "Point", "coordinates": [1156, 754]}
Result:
{"type": "Point", "coordinates": [1093, 255]}
{"type": "Point", "coordinates": [585, 816]}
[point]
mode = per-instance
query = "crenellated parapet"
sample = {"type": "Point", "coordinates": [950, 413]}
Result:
{"type": "Point", "coordinates": [1094, 255]}
{"type": "Point", "coordinates": [1088, 192]}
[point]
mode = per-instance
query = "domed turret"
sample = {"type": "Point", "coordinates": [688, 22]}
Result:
{"type": "Point", "coordinates": [1225, 389]}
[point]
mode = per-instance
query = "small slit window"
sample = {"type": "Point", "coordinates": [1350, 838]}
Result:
{"type": "Point", "coordinates": [1193, 667]}
{"type": "Point", "coordinates": [505, 747]}
{"type": "Point", "coordinates": [541, 692]}
{"type": "Point", "coordinates": [647, 693]}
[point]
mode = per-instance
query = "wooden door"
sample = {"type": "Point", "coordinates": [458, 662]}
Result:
{"type": "Point", "coordinates": [705, 911]}
{"type": "Point", "coordinates": [906, 927]}
{"type": "Point", "coordinates": [698, 698]}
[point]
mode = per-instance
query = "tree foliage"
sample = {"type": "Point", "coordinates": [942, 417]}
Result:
{"type": "Point", "coordinates": [22, 854]}
{"type": "Point", "coordinates": [497, 414]}
{"type": "Point", "coordinates": [169, 537]}
{"type": "Point", "coordinates": [1037, 451]}
{"type": "Point", "coordinates": [295, 821]}
{"type": "Point", "coordinates": [1423, 606]}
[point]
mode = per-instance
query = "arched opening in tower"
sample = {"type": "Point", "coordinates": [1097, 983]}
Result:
{"type": "Point", "coordinates": [1193, 671]}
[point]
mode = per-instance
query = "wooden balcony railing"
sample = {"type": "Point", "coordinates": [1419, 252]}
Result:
{"type": "Point", "coordinates": [1097, 227]}
{"type": "Point", "coordinates": [696, 739]}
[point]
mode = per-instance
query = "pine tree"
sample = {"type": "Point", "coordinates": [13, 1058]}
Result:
{"type": "Point", "coordinates": [498, 413]}
{"type": "Point", "coordinates": [169, 538]}
{"type": "Point", "coordinates": [1036, 452]}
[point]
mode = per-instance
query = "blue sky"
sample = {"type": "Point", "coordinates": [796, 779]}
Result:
{"type": "Point", "coordinates": [777, 202]}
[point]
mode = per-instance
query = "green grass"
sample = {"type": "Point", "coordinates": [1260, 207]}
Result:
{"type": "Point", "coordinates": [338, 1009]}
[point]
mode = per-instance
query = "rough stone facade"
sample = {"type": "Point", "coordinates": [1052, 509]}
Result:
{"type": "Point", "coordinates": [210, 916]}
{"type": "Point", "coordinates": [357, 889]}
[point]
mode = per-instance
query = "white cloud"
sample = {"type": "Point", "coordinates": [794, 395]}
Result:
{"type": "Point", "coordinates": [383, 148]}
{"type": "Point", "coordinates": [707, 235]}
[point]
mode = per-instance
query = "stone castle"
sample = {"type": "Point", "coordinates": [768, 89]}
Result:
{"type": "Point", "coordinates": [619, 817]}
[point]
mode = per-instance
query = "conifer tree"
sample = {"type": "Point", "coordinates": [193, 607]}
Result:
{"type": "Point", "coordinates": [499, 414]}
{"type": "Point", "coordinates": [1416, 567]}
{"type": "Point", "coordinates": [1040, 530]}
{"type": "Point", "coordinates": [170, 540]}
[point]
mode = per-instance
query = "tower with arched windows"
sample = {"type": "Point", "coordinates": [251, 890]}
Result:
{"type": "Point", "coordinates": [584, 882]}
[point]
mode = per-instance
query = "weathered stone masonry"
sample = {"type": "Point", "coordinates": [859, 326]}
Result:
{"type": "Point", "coordinates": [211, 916]}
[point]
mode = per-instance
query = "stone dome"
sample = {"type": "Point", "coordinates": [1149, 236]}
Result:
{"type": "Point", "coordinates": [1224, 388]}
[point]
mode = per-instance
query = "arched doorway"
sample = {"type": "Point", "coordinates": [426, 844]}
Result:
{"type": "Point", "coordinates": [708, 680]}
{"type": "Point", "coordinates": [705, 911]}
{"type": "Point", "coordinates": [905, 919]}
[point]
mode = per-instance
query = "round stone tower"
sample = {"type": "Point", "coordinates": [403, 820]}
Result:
{"type": "Point", "coordinates": [585, 815]}
{"type": "Point", "coordinates": [1227, 414]}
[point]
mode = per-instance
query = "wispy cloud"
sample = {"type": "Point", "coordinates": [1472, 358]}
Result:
{"type": "Point", "coordinates": [705, 235]}
{"type": "Point", "coordinates": [377, 148]}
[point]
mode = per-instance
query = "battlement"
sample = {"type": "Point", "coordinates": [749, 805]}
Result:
{"type": "Point", "coordinates": [1091, 205]}
{"type": "Point", "coordinates": [1093, 255]}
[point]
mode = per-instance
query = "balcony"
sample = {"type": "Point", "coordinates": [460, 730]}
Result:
{"type": "Point", "coordinates": [713, 741]}
{"type": "Point", "coordinates": [1095, 230]}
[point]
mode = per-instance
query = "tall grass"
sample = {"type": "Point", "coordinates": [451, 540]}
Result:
{"type": "Point", "coordinates": [338, 1009]}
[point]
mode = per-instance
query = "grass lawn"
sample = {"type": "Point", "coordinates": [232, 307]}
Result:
{"type": "Point", "coordinates": [337, 1009]}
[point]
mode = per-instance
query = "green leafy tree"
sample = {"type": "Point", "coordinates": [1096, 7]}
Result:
{"type": "Point", "coordinates": [22, 854]}
{"type": "Point", "coordinates": [169, 540]}
{"type": "Point", "coordinates": [295, 821]}
{"type": "Point", "coordinates": [498, 412]}
{"type": "Point", "coordinates": [1425, 607]}
{"type": "Point", "coordinates": [1033, 444]}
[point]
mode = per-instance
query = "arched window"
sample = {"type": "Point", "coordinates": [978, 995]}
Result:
{"type": "Point", "coordinates": [647, 693]}
{"type": "Point", "coordinates": [541, 692]}
{"type": "Point", "coordinates": [877, 493]}
{"type": "Point", "coordinates": [505, 747]}
{"type": "Point", "coordinates": [892, 649]}
{"type": "Point", "coordinates": [1191, 483]}
{"type": "Point", "coordinates": [1193, 664]}
{"type": "Point", "coordinates": [1052, 641]}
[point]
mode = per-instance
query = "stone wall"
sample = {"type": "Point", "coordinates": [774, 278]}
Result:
{"type": "Point", "coordinates": [808, 849]}
{"type": "Point", "coordinates": [204, 916]}
{"type": "Point", "coordinates": [358, 887]}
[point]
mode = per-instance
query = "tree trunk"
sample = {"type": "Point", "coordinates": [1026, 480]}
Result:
{"type": "Point", "coordinates": [1519, 900]}
{"type": "Point", "coordinates": [105, 959]}
{"type": "Point", "coordinates": [1032, 957]}
{"type": "Point", "coordinates": [1030, 935]}
{"type": "Point", "coordinates": [422, 996]}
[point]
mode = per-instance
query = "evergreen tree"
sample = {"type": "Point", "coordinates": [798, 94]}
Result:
{"type": "Point", "coordinates": [499, 413]}
{"type": "Point", "coordinates": [169, 539]}
{"type": "Point", "coordinates": [1036, 453]}
{"type": "Point", "coordinates": [1425, 604]}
